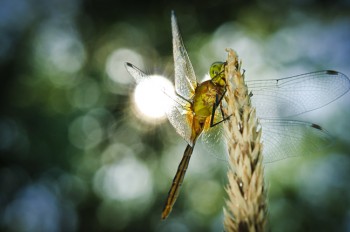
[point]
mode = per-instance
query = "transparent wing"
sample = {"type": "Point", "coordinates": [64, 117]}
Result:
{"type": "Point", "coordinates": [178, 112]}
{"type": "Point", "coordinates": [185, 78]}
{"type": "Point", "coordinates": [281, 139]}
{"type": "Point", "coordinates": [136, 73]}
{"type": "Point", "coordinates": [180, 116]}
{"type": "Point", "coordinates": [213, 139]}
{"type": "Point", "coordinates": [295, 95]}
{"type": "Point", "coordinates": [284, 138]}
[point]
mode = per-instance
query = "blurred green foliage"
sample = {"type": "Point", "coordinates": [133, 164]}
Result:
{"type": "Point", "coordinates": [75, 157]}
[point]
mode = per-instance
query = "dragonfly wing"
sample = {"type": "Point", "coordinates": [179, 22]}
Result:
{"type": "Point", "coordinates": [136, 73]}
{"type": "Point", "coordinates": [178, 112]}
{"type": "Point", "coordinates": [213, 139]}
{"type": "Point", "coordinates": [185, 78]}
{"type": "Point", "coordinates": [295, 95]}
{"type": "Point", "coordinates": [180, 116]}
{"type": "Point", "coordinates": [284, 138]}
{"type": "Point", "coordinates": [281, 139]}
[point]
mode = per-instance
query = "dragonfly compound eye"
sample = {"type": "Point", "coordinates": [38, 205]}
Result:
{"type": "Point", "coordinates": [216, 68]}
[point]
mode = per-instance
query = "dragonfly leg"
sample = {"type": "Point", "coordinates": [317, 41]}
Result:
{"type": "Point", "coordinates": [183, 98]}
{"type": "Point", "coordinates": [215, 106]}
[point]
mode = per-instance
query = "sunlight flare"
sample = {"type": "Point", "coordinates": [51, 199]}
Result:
{"type": "Point", "coordinates": [152, 97]}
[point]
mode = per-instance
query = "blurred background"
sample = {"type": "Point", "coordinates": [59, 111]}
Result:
{"type": "Point", "coordinates": [77, 155]}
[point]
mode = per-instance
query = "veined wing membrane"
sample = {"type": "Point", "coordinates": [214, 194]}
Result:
{"type": "Point", "coordinates": [136, 73]}
{"type": "Point", "coordinates": [213, 140]}
{"type": "Point", "coordinates": [181, 116]}
{"type": "Point", "coordinates": [284, 138]}
{"type": "Point", "coordinates": [295, 95]}
{"type": "Point", "coordinates": [178, 111]}
{"type": "Point", "coordinates": [185, 78]}
{"type": "Point", "coordinates": [281, 139]}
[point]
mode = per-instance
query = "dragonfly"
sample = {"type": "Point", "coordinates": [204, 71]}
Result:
{"type": "Point", "coordinates": [197, 107]}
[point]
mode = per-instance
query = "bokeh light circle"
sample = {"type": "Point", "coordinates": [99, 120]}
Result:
{"type": "Point", "coordinates": [152, 97]}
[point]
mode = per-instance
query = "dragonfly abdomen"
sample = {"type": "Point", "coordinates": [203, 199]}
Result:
{"type": "Point", "coordinates": [177, 181]}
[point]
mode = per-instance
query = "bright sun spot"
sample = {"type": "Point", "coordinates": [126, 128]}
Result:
{"type": "Point", "coordinates": [153, 96]}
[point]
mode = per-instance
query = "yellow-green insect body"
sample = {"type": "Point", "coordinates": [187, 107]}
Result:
{"type": "Point", "coordinates": [207, 97]}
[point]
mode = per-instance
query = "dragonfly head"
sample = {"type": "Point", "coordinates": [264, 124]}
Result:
{"type": "Point", "coordinates": [217, 73]}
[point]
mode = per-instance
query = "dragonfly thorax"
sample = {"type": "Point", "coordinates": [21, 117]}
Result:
{"type": "Point", "coordinates": [206, 95]}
